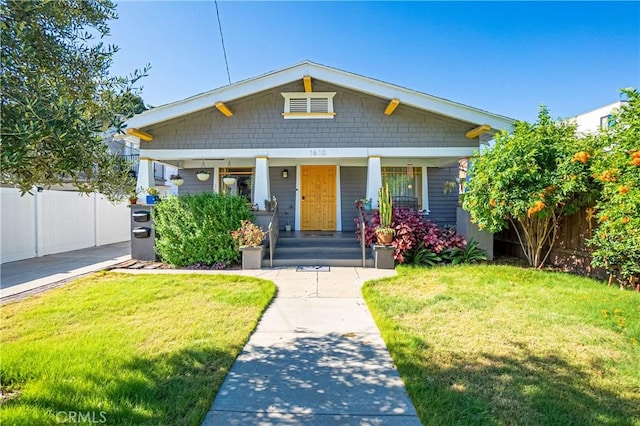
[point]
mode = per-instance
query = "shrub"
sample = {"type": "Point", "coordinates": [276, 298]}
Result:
{"type": "Point", "coordinates": [414, 233]}
{"type": "Point", "coordinates": [529, 180]}
{"type": "Point", "coordinates": [617, 168]}
{"type": "Point", "coordinates": [197, 228]}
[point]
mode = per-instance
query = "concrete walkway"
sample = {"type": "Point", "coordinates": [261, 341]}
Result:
{"type": "Point", "coordinates": [316, 358]}
{"type": "Point", "coordinates": [30, 275]}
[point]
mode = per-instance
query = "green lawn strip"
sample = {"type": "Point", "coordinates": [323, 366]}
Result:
{"type": "Point", "coordinates": [141, 349]}
{"type": "Point", "coordinates": [498, 345]}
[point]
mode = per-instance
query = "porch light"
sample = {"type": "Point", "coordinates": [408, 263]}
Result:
{"type": "Point", "coordinates": [203, 175]}
{"type": "Point", "coordinates": [285, 173]}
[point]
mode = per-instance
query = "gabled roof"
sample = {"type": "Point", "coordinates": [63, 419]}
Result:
{"type": "Point", "coordinates": [330, 75]}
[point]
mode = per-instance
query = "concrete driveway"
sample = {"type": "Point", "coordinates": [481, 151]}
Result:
{"type": "Point", "coordinates": [30, 274]}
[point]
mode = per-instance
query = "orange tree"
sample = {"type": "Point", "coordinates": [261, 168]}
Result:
{"type": "Point", "coordinates": [528, 180]}
{"type": "Point", "coordinates": [617, 167]}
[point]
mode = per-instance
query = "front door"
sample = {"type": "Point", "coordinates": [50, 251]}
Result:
{"type": "Point", "coordinates": [318, 198]}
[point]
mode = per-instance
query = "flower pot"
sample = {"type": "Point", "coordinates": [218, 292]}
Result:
{"type": "Point", "coordinates": [384, 239]}
{"type": "Point", "coordinates": [252, 257]}
{"type": "Point", "coordinates": [384, 257]}
{"type": "Point", "coordinates": [177, 182]}
{"type": "Point", "coordinates": [151, 199]}
{"type": "Point", "coordinates": [133, 200]}
{"type": "Point", "coordinates": [367, 207]}
{"type": "Point", "coordinates": [287, 228]}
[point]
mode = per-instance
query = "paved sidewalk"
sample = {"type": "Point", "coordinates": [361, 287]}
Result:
{"type": "Point", "coordinates": [30, 275]}
{"type": "Point", "coordinates": [316, 358]}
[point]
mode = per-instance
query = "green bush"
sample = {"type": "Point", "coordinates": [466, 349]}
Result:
{"type": "Point", "coordinates": [197, 228]}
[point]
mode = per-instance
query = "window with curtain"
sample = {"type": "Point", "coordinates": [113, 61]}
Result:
{"type": "Point", "coordinates": [405, 185]}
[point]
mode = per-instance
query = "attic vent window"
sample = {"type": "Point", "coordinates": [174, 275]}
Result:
{"type": "Point", "coordinates": [308, 105]}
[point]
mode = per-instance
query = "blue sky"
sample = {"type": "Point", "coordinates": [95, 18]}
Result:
{"type": "Point", "coordinates": [503, 57]}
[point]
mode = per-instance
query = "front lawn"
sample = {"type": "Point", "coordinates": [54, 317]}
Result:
{"type": "Point", "coordinates": [500, 345]}
{"type": "Point", "coordinates": [126, 349]}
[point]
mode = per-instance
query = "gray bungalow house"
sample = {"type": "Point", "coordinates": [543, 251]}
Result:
{"type": "Point", "coordinates": [317, 138]}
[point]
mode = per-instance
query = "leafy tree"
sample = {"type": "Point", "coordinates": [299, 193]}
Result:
{"type": "Point", "coordinates": [529, 180]}
{"type": "Point", "coordinates": [617, 167]}
{"type": "Point", "coordinates": [58, 96]}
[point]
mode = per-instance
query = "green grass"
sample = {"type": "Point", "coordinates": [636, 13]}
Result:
{"type": "Point", "coordinates": [501, 345]}
{"type": "Point", "coordinates": [131, 349]}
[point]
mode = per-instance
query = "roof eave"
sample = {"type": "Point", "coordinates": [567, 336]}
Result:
{"type": "Point", "coordinates": [328, 74]}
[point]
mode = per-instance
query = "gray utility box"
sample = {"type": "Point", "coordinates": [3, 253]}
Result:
{"type": "Point", "coordinates": [143, 234]}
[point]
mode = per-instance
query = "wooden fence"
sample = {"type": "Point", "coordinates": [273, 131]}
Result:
{"type": "Point", "coordinates": [570, 251]}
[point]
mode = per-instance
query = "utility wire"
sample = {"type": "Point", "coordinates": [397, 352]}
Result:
{"type": "Point", "coordinates": [224, 50]}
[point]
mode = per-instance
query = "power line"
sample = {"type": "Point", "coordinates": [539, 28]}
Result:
{"type": "Point", "coordinates": [224, 50]}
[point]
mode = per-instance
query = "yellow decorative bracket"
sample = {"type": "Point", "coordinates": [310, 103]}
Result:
{"type": "Point", "coordinates": [147, 137]}
{"type": "Point", "coordinates": [393, 104]}
{"type": "Point", "coordinates": [307, 84]}
{"type": "Point", "coordinates": [224, 109]}
{"type": "Point", "coordinates": [473, 133]}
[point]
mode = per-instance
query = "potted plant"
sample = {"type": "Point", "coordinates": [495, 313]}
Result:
{"type": "Point", "coordinates": [384, 231]}
{"type": "Point", "coordinates": [152, 195]}
{"type": "Point", "coordinates": [249, 238]}
{"type": "Point", "coordinates": [176, 179]}
{"type": "Point", "coordinates": [133, 197]}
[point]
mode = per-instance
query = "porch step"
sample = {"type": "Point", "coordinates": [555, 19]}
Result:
{"type": "Point", "coordinates": [318, 249]}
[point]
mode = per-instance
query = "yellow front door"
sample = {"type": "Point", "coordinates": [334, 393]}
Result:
{"type": "Point", "coordinates": [318, 198]}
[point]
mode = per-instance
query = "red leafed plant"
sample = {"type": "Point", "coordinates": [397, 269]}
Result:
{"type": "Point", "coordinates": [414, 232]}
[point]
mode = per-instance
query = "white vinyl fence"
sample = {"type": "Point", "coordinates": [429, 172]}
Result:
{"type": "Point", "coordinates": [57, 221]}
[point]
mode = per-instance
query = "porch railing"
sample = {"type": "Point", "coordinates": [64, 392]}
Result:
{"type": "Point", "coordinates": [273, 231]}
{"type": "Point", "coordinates": [363, 245]}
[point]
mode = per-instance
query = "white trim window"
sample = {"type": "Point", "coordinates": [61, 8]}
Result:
{"type": "Point", "coordinates": [405, 186]}
{"type": "Point", "coordinates": [301, 105]}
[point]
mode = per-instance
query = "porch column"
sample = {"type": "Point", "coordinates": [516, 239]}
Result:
{"type": "Point", "coordinates": [374, 180]}
{"type": "Point", "coordinates": [145, 175]}
{"type": "Point", "coordinates": [261, 188]}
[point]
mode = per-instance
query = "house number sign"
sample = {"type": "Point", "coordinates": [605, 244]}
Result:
{"type": "Point", "coordinates": [318, 152]}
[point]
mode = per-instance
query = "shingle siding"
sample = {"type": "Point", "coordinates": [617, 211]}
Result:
{"type": "Point", "coordinates": [442, 206]}
{"type": "Point", "coordinates": [353, 184]}
{"type": "Point", "coordinates": [359, 122]}
{"type": "Point", "coordinates": [192, 185]}
{"type": "Point", "coordinates": [284, 189]}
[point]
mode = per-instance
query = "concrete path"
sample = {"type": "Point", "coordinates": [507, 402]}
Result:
{"type": "Point", "coordinates": [316, 358]}
{"type": "Point", "coordinates": [24, 276]}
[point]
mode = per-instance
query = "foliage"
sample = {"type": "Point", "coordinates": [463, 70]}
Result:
{"type": "Point", "coordinates": [141, 349]}
{"type": "Point", "coordinates": [196, 228]}
{"type": "Point", "coordinates": [617, 167]}
{"type": "Point", "coordinates": [422, 256]}
{"type": "Point", "coordinates": [529, 180]}
{"type": "Point", "coordinates": [501, 345]}
{"type": "Point", "coordinates": [58, 97]}
{"type": "Point", "coordinates": [412, 233]}
{"type": "Point", "coordinates": [471, 253]}
{"type": "Point", "coordinates": [248, 235]}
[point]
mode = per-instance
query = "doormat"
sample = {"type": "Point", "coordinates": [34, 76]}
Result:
{"type": "Point", "coordinates": [317, 235]}
{"type": "Point", "coordinates": [313, 269]}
